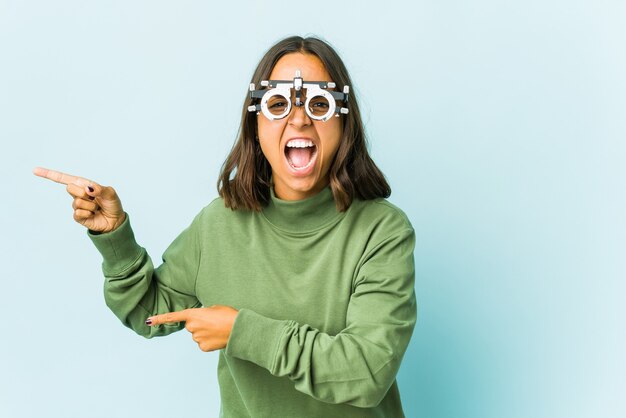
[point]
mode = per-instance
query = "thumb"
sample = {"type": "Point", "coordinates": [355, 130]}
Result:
{"type": "Point", "coordinates": [168, 318]}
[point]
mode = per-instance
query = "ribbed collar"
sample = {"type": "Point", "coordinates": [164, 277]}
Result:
{"type": "Point", "coordinates": [301, 216]}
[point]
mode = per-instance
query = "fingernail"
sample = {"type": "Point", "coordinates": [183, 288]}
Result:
{"type": "Point", "coordinates": [148, 321]}
{"type": "Point", "coordinates": [90, 189]}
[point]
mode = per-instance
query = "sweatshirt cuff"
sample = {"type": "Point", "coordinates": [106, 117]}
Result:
{"type": "Point", "coordinates": [118, 248]}
{"type": "Point", "coordinates": [256, 338]}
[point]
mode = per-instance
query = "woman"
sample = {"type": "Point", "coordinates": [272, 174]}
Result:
{"type": "Point", "coordinates": [301, 273]}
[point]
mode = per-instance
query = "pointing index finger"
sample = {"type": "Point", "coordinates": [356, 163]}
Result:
{"type": "Point", "coordinates": [59, 177]}
{"type": "Point", "coordinates": [167, 318]}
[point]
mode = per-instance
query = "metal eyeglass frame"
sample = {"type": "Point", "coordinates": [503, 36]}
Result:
{"type": "Point", "coordinates": [314, 89]}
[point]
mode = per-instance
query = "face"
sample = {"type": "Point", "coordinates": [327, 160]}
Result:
{"type": "Point", "coordinates": [299, 149]}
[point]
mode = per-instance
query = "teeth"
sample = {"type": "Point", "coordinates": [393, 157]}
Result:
{"type": "Point", "coordinates": [299, 143]}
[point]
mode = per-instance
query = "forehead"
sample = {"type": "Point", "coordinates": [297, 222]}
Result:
{"type": "Point", "coordinates": [311, 68]}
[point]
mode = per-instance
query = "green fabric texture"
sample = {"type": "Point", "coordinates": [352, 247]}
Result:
{"type": "Point", "coordinates": [326, 301]}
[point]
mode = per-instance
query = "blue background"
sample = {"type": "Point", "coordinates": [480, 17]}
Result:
{"type": "Point", "coordinates": [499, 124]}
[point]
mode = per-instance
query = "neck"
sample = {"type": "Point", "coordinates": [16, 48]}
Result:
{"type": "Point", "coordinates": [303, 215]}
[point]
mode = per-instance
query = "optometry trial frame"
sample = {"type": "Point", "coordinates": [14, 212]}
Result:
{"type": "Point", "coordinates": [320, 104]}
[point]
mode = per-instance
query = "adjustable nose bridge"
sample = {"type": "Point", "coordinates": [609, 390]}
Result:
{"type": "Point", "coordinates": [297, 89]}
{"type": "Point", "coordinates": [298, 115]}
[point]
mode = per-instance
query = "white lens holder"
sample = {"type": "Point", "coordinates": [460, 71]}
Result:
{"type": "Point", "coordinates": [284, 89]}
{"type": "Point", "coordinates": [314, 91]}
{"type": "Point", "coordinates": [280, 91]}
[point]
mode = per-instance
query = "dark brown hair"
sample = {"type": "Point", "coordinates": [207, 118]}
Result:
{"type": "Point", "coordinates": [245, 179]}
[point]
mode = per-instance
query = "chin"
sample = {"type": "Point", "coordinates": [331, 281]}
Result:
{"type": "Point", "coordinates": [303, 185]}
{"type": "Point", "coordinates": [299, 188]}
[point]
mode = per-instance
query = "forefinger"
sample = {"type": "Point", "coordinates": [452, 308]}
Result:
{"type": "Point", "coordinates": [59, 177]}
{"type": "Point", "coordinates": [167, 318]}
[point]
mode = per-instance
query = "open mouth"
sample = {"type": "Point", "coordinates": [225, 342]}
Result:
{"type": "Point", "coordinates": [300, 153]}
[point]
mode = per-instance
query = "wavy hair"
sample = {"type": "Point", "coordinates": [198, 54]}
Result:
{"type": "Point", "coordinates": [245, 177]}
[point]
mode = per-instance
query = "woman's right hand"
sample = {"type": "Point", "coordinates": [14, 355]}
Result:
{"type": "Point", "coordinates": [96, 207]}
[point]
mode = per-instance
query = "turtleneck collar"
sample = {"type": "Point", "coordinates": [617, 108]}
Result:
{"type": "Point", "coordinates": [299, 216]}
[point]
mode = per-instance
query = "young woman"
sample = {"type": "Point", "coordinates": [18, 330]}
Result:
{"type": "Point", "coordinates": [301, 273]}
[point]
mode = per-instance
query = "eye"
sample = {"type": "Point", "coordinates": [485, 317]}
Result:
{"type": "Point", "coordinates": [319, 106]}
{"type": "Point", "coordinates": [319, 102]}
{"type": "Point", "coordinates": [277, 105]}
{"type": "Point", "coordinates": [323, 105]}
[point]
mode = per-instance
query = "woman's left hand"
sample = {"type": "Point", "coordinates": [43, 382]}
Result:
{"type": "Point", "coordinates": [209, 327]}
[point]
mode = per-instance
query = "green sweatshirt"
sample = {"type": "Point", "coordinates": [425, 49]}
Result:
{"type": "Point", "coordinates": [326, 301]}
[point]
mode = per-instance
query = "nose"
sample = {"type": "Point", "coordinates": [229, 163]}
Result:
{"type": "Point", "coordinates": [298, 117]}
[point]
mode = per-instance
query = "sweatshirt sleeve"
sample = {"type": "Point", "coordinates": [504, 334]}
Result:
{"type": "Point", "coordinates": [358, 365]}
{"type": "Point", "coordinates": [135, 290]}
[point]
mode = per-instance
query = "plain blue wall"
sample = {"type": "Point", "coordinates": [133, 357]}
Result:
{"type": "Point", "coordinates": [500, 126]}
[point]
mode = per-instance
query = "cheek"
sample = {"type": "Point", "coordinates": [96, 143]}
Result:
{"type": "Point", "coordinates": [270, 152]}
{"type": "Point", "coordinates": [269, 138]}
{"type": "Point", "coordinates": [331, 135]}
{"type": "Point", "coordinates": [261, 126]}
{"type": "Point", "coordinates": [268, 130]}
